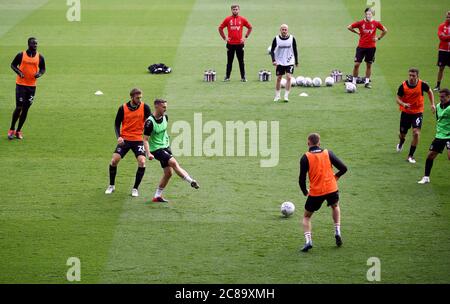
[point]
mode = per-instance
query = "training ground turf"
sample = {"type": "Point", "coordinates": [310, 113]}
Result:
{"type": "Point", "coordinates": [52, 201]}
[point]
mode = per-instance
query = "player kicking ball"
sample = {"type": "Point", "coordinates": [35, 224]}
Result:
{"type": "Point", "coordinates": [156, 144]}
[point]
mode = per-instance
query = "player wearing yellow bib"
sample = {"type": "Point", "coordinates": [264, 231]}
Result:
{"type": "Point", "coordinates": [442, 138]}
{"type": "Point", "coordinates": [157, 144]}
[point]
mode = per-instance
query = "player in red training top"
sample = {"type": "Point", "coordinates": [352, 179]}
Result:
{"type": "Point", "coordinates": [235, 41]}
{"type": "Point", "coordinates": [444, 49]}
{"type": "Point", "coordinates": [367, 43]}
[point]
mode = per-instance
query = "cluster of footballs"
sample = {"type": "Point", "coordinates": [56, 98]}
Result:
{"type": "Point", "coordinates": [308, 81]}
{"type": "Point", "coordinates": [301, 81]}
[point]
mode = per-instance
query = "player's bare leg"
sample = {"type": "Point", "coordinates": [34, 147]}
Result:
{"type": "Point", "coordinates": [368, 74]}
{"type": "Point", "coordinates": [439, 78]}
{"type": "Point", "coordinates": [182, 173]}
{"type": "Point", "coordinates": [278, 88]}
{"type": "Point", "coordinates": [162, 184]}
{"type": "Point", "coordinates": [307, 230]}
{"type": "Point", "coordinates": [288, 86]}
{"type": "Point", "coordinates": [355, 72]}
{"type": "Point", "coordinates": [336, 213]}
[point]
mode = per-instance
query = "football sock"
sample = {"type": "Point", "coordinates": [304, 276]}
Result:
{"type": "Point", "coordinates": [112, 175]}
{"type": "Point", "coordinates": [367, 80]}
{"type": "Point", "coordinates": [337, 229]}
{"type": "Point", "coordinates": [15, 117]}
{"type": "Point", "coordinates": [402, 141]}
{"type": "Point", "coordinates": [277, 93]}
{"type": "Point", "coordinates": [139, 174]}
{"type": "Point", "coordinates": [23, 117]}
{"type": "Point", "coordinates": [412, 149]}
{"type": "Point", "coordinates": [188, 179]}
{"type": "Point", "coordinates": [308, 238]}
{"type": "Point", "coordinates": [354, 79]}
{"type": "Point", "coordinates": [428, 166]}
{"type": "Point", "coordinates": [438, 84]}
{"type": "Point", "coordinates": [286, 94]}
{"type": "Point", "coordinates": [159, 192]}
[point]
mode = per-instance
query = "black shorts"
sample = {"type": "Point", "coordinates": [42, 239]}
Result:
{"type": "Point", "coordinates": [163, 155]}
{"type": "Point", "coordinates": [313, 203]}
{"type": "Point", "coordinates": [443, 59]}
{"type": "Point", "coordinates": [284, 69]}
{"type": "Point", "coordinates": [24, 95]}
{"type": "Point", "coordinates": [410, 120]}
{"type": "Point", "coordinates": [136, 146]}
{"type": "Point", "coordinates": [438, 145]}
{"type": "Point", "coordinates": [367, 53]}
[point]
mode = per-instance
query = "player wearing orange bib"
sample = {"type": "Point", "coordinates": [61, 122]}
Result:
{"type": "Point", "coordinates": [131, 116]}
{"type": "Point", "coordinates": [29, 65]}
{"type": "Point", "coordinates": [411, 102]}
{"type": "Point", "coordinates": [318, 164]}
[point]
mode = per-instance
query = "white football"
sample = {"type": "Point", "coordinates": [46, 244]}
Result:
{"type": "Point", "coordinates": [350, 87]}
{"type": "Point", "coordinates": [300, 80]}
{"type": "Point", "coordinates": [283, 82]}
{"type": "Point", "coordinates": [293, 81]}
{"type": "Point", "coordinates": [317, 82]}
{"type": "Point", "coordinates": [329, 81]}
{"type": "Point", "coordinates": [287, 208]}
{"type": "Point", "coordinates": [308, 82]}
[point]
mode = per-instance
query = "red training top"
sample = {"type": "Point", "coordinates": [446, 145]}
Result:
{"type": "Point", "coordinates": [444, 29]}
{"type": "Point", "coordinates": [234, 27]}
{"type": "Point", "coordinates": [367, 31]}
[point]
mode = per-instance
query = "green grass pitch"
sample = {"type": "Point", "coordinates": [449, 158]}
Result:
{"type": "Point", "coordinates": [52, 201]}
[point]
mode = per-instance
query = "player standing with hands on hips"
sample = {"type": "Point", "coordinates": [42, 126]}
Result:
{"type": "Point", "coordinates": [317, 163]}
{"type": "Point", "coordinates": [284, 55]}
{"type": "Point", "coordinates": [29, 65]}
{"type": "Point", "coordinates": [367, 43]}
{"type": "Point", "coordinates": [444, 49]}
{"type": "Point", "coordinates": [235, 41]}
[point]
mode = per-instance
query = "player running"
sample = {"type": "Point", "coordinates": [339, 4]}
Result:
{"type": "Point", "coordinates": [411, 102]}
{"type": "Point", "coordinates": [131, 116]}
{"type": "Point", "coordinates": [367, 43]}
{"type": "Point", "coordinates": [442, 137]}
{"type": "Point", "coordinates": [318, 162]}
{"type": "Point", "coordinates": [157, 145]}
{"type": "Point", "coordinates": [235, 41]}
{"type": "Point", "coordinates": [284, 56]}
{"type": "Point", "coordinates": [444, 49]}
{"type": "Point", "coordinates": [29, 65]}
